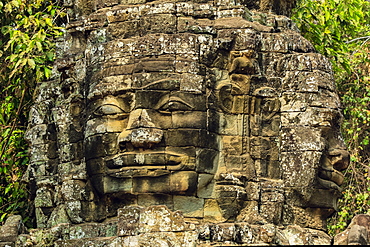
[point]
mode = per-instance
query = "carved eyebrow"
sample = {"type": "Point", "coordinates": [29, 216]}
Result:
{"type": "Point", "coordinates": [157, 82]}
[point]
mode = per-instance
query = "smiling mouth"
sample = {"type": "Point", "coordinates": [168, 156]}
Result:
{"type": "Point", "coordinates": [331, 179]}
{"type": "Point", "coordinates": [141, 160]}
{"type": "Point", "coordinates": [329, 175]}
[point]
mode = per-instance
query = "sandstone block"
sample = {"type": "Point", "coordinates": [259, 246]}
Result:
{"type": "Point", "coordinates": [189, 206]}
{"type": "Point", "coordinates": [10, 230]}
{"type": "Point", "coordinates": [128, 221]}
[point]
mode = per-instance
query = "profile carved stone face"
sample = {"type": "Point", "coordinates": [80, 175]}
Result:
{"type": "Point", "coordinates": [225, 114]}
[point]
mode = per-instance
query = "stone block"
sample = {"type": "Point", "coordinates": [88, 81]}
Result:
{"type": "Point", "coordinates": [58, 216]}
{"type": "Point", "coordinates": [94, 166]}
{"type": "Point", "coordinates": [213, 123]}
{"type": "Point", "coordinates": [324, 198]}
{"type": "Point", "coordinates": [189, 206]}
{"type": "Point", "coordinates": [271, 127]}
{"type": "Point", "coordinates": [274, 42]}
{"type": "Point", "coordinates": [271, 211]}
{"type": "Point", "coordinates": [38, 153]}
{"type": "Point", "coordinates": [159, 184]}
{"type": "Point", "coordinates": [192, 83]}
{"type": "Point", "coordinates": [74, 170]}
{"type": "Point", "coordinates": [184, 65]}
{"type": "Point", "coordinates": [358, 235]}
{"type": "Point", "coordinates": [162, 64]}
{"type": "Point", "coordinates": [253, 191]}
{"type": "Point", "coordinates": [37, 134]}
{"type": "Point", "coordinates": [232, 145]}
{"type": "Point", "coordinates": [230, 199]}
{"type": "Point", "coordinates": [222, 232]}
{"type": "Point", "coordinates": [43, 198]}
{"type": "Point", "coordinates": [231, 124]}
{"type": "Point", "coordinates": [151, 99]}
{"type": "Point", "coordinates": [10, 230]}
{"type": "Point", "coordinates": [94, 150]}
{"type": "Point", "coordinates": [92, 211]}
{"type": "Point", "coordinates": [159, 238]}
{"type": "Point", "coordinates": [307, 62]}
{"type": "Point", "coordinates": [244, 233]}
{"type": "Point", "coordinates": [128, 220]}
{"type": "Point", "coordinates": [302, 81]}
{"type": "Point", "coordinates": [157, 23]}
{"type": "Point", "coordinates": [212, 211]}
{"type": "Point", "coordinates": [156, 81]}
{"type": "Point", "coordinates": [87, 230]}
{"type": "Point", "coordinates": [42, 216]}
{"type": "Point", "coordinates": [267, 233]}
{"type": "Point", "coordinates": [299, 168]}
{"type": "Point", "coordinates": [69, 151]}
{"type": "Point", "coordinates": [206, 185]}
{"type": "Point", "coordinates": [160, 219]}
{"type": "Point", "coordinates": [250, 214]}
{"type": "Point", "coordinates": [190, 137]}
{"type": "Point", "coordinates": [234, 163]}
{"type": "Point", "coordinates": [206, 160]}
{"type": "Point", "coordinates": [183, 182]}
{"type": "Point", "coordinates": [341, 238]}
{"type": "Point", "coordinates": [73, 190]}
{"type": "Point", "coordinates": [274, 170]}
{"type": "Point", "coordinates": [247, 39]}
{"type": "Point", "coordinates": [147, 200]}
{"type": "Point", "coordinates": [189, 119]}
{"type": "Point", "coordinates": [74, 211]}
{"type": "Point", "coordinates": [108, 184]}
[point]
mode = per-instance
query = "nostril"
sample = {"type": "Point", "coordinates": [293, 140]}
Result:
{"type": "Point", "coordinates": [125, 146]}
{"type": "Point", "coordinates": [339, 159]}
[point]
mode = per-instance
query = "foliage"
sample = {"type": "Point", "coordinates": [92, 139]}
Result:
{"type": "Point", "coordinates": [26, 53]}
{"type": "Point", "coordinates": [340, 29]}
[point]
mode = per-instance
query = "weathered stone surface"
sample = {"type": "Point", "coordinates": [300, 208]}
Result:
{"type": "Point", "coordinates": [10, 230]}
{"type": "Point", "coordinates": [357, 232]}
{"type": "Point", "coordinates": [217, 109]}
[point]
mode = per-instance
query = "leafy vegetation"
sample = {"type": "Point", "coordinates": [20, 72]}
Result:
{"type": "Point", "coordinates": [26, 52]}
{"type": "Point", "coordinates": [340, 29]}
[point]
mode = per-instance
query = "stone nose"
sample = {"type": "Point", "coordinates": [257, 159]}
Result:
{"type": "Point", "coordinates": [140, 131]}
{"type": "Point", "coordinates": [339, 159]}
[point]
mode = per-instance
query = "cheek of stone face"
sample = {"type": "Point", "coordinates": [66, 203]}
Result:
{"type": "Point", "coordinates": [300, 168]}
{"type": "Point", "coordinates": [101, 145]}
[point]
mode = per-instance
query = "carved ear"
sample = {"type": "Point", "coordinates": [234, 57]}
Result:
{"type": "Point", "coordinates": [227, 95]}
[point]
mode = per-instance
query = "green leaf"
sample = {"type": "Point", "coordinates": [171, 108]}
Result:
{"type": "Point", "coordinates": [31, 63]}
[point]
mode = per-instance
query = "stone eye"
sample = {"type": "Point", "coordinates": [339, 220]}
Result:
{"type": "Point", "coordinates": [108, 109]}
{"type": "Point", "coordinates": [175, 104]}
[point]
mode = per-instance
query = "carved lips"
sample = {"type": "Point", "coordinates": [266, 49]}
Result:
{"type": "Point", "coordinates": [329, 174]}
{"type": "Point", "coordinates": [140, 159]}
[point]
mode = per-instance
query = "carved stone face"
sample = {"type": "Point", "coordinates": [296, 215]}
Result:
{"type": "Point", "coordinates": [152, 138]}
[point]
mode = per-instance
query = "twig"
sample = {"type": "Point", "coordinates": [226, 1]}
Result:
{"type": "Point", "coordinates": [353, 40]}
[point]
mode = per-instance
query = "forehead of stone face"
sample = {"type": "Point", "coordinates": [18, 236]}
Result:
{"type": "Point", "coordinates": [154, 62]}
{"type": "Point", "coordinates": [143, 83]}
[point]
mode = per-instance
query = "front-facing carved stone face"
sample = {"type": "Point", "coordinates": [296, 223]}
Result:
{"type": "Point", "coordinates": [152, 138]}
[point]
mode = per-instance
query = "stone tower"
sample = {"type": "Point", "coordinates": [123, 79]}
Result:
{"type": "Point", "coordinates": [185, 123]}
